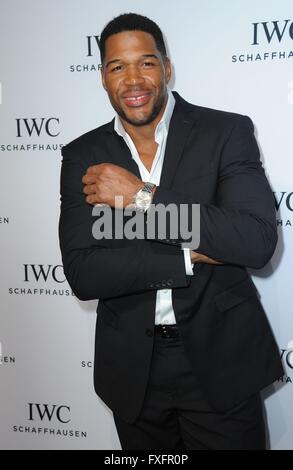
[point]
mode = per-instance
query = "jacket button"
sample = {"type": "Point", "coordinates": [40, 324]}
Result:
{"type": "Point", "coordinates": [149, 332]}
{"type": "Point", "coordinates": [169, 282]}
{"type": "Point", "coordinates": [164, 284]}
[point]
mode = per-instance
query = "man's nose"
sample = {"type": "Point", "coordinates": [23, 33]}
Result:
{"type": "Point", "coordinates": [133, 76]}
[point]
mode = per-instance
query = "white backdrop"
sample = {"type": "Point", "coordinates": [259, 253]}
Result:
{"type": "Point", "coordinates": [229, 55]}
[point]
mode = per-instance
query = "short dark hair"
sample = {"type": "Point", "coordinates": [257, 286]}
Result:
{"type": "Point", "coordinates": [132, 22]}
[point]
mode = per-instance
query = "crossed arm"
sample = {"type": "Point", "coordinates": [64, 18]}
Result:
{"type": "Point", "coordinates": [104, 181]}
{"type": "Point", "coordinates": [238, 229]}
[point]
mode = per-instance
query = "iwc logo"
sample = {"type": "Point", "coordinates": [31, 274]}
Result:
{"type": "Point", "coordinates": [92, 56]}
{"type": "Point", "coordinates": [42, 280]}
{"type": "Point", "coordinates": [48, 420]}
{"type": "Point", "coordinates": [270, 40]}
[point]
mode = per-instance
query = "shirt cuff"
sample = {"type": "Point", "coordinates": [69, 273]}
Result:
{"type": "Point", "coordinates": [187, 260]}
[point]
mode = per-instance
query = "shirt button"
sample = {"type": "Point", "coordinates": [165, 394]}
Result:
{"type": "Point", "coordinates": [149, 332]}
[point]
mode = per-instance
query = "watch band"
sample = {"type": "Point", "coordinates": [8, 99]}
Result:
{"type": "Point", "coordinates": [148, 187]}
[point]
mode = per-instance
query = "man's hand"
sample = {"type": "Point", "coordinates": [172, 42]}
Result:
{"type": "Point", "coordinates": [198, 258]}
{"type": "Point", "coordinates": [105, 181]}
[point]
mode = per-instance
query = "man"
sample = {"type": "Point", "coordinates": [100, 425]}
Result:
{"type": "Point", "coordinates": [183, 346]}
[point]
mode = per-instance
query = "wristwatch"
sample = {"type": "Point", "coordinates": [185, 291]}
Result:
{"type": "Point", "coordinates": [143, 198]}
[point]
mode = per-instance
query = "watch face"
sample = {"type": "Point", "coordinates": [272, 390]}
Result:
{"type": "Point", "coordinates": [143, 200]}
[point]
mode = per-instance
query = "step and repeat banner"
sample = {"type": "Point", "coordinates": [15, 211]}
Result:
{"type": "Point", "coordinates": [235, 56]}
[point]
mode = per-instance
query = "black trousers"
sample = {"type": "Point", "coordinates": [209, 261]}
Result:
{"type": "Point", "coordinates": [176, 415]}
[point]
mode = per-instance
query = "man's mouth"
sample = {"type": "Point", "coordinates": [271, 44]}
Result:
{"type": "Point", "coordinates": [136, 99]}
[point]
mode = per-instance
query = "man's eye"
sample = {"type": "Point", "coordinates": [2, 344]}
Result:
{"type": "Point", "coordinates": [148, 64]}
{"type": "Point", "coordinates": [117, 68]}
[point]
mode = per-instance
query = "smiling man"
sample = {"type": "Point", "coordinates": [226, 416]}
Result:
{"type": "Point", "coordinates": [183, 346]}
{"type": "Point", "coordinates": [145, 102]}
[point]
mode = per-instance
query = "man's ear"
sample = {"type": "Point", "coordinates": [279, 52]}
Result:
{"type": "Point", "coordinates": [103, 79]}
{"type": "Point", "coordinates": [167, 65]}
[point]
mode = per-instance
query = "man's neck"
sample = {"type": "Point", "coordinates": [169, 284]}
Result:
{"type": "Point", "coordinates": [144, 133]}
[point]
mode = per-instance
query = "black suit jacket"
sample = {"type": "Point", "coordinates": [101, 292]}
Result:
{"type": "Point", "coordinates": [211, 158]}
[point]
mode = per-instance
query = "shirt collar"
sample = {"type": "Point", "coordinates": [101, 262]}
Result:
{"type": "Point", "coordinates": [164, 122]}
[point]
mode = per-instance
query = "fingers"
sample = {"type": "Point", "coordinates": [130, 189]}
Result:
{"type": "Point", "coordinates": [90, 185]}
{"type": "Point", "coordinates": [96, 171]}
{"type": "Point", "coordinates": [89, 189]}
{"type": "Point", "coordinates": [91, 199]}
{"type": "Point", "coordinates": [89, 179]}
{"type": "Point", "coordinates": [92, 173]}
{"type": "Point", "coordinates": [91, 194]}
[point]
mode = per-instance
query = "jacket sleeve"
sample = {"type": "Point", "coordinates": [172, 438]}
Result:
{"type": "Point", "coordinates": [93, 269]}
{"type": "Point", "coordinates": [240, 227]}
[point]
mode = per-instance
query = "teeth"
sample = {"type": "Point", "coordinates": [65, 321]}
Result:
{"type": "Point", "coordinates": [133, 98]}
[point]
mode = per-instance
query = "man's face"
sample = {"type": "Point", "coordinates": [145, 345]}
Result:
{"type": "Point", "coordinates": [135, 77]}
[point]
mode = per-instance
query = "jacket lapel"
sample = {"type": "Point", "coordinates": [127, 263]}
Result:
{"type": "Point", "coordinates": [183, 119]}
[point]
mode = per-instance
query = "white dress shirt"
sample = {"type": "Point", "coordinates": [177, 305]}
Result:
{"type": "Point", "coordinates": [164, 308]}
